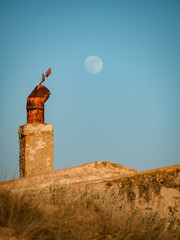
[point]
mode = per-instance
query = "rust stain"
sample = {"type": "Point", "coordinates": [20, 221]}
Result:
{"type": "Point", "coordinates": [36, 101]}
{"type": "Point", "coordinates": [48, 72]}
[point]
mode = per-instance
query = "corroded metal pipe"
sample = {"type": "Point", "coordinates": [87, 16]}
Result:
{"type": "Point", "coordinates": [36, 101]}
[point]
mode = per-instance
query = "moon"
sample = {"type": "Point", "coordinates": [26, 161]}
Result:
{"type": "Point", "coordinates": [93, 64]}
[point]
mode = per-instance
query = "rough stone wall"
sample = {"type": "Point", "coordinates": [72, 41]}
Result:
{"type": "Point", "coordinates": [36, 149]}
{"type": "Point", "coordinates": [155, 190]}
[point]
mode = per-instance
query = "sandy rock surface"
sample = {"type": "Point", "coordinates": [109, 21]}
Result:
{"type": "Point", "coordinates": [153, 190]}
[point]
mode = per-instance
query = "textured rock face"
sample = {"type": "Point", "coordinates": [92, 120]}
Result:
{"type": "Point", "coordinates": [36, 149]}
{"type": "Point", "coordinates": [91, 171]}
{"type": "Point", "coordinates": [154, 190]}
{"type": "Point", "coordinates": [157, 190]}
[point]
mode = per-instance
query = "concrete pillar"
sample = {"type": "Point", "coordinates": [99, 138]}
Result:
{"type": "Point", "coordinates": [36, 148]}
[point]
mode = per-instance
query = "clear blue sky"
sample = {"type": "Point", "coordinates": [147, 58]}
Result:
{"type": "Point", "coordinates": [128, 114]}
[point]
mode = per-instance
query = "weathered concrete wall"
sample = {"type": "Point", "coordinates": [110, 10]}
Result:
{"type": "Point", "coordinates": [154, 190]}
{"type": "Point", "coordinates": [36, 148]}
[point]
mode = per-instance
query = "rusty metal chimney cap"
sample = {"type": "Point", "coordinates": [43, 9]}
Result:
{"type": "Point", "coordinates": [40, 91]}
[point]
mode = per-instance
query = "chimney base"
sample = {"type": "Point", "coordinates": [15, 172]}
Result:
{"type": "Point", "coordinates": [36, 149]}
